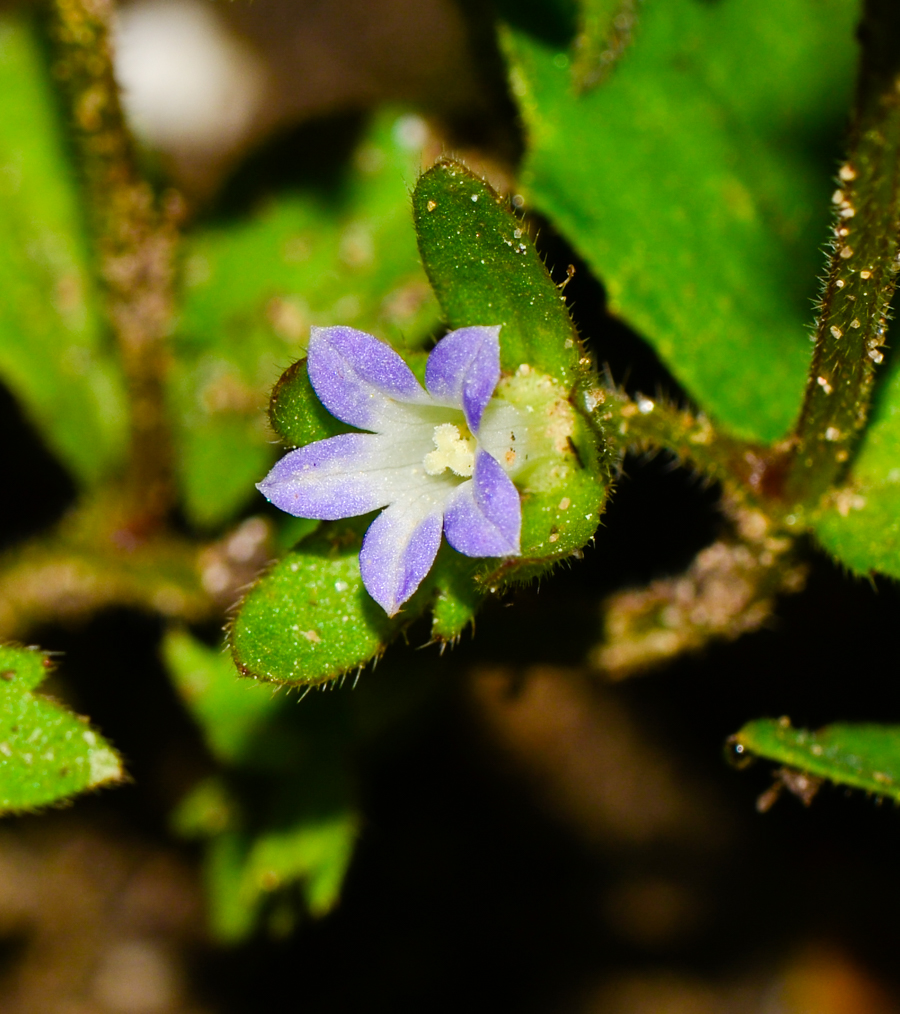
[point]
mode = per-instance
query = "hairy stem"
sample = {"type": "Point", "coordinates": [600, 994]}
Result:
{"type": "Point", "coordinates": [744, 469]}
{"type": "Point", "coordinates": [134, 242]}
{"type": "Point", "coordinates": [862, 272]}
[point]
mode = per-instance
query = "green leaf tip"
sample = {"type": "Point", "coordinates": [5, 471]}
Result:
{"type": "Point", "coordinates": [858, 755]}
{"type": "Point", "coordinates": [47, 754]}
{"type": "Point", "coordinates": [485, 269]}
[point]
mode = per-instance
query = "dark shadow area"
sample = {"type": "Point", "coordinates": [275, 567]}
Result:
{"type": "Point", "coordinates": [37, 489]}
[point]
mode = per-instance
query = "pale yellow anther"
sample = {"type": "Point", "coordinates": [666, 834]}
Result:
{"type": "Point", "coordinates": [452, 450]}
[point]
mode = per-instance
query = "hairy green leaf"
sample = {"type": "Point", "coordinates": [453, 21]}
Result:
{"type": "Point", "coordinates": [861, 756]}
{"type": "Point", "coordinates": [47, 754]}
{"type": "Point", "coordinates": [485, 270]}
{"type": "Point", "coordinates": [861, 523]}
{"type": "Point", "coordinates": [52, 353]}
{"type": "Point", "coordinates": [695, 182]}
{"type": "Point", "coordinates": [253, 288]}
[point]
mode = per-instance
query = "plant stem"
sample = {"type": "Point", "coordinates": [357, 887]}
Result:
{"type": "Point", "coordinates": [744, 469]}
{"type": "Point", "coordinates": [134, 242]}
{"type": "Point", "coordinates": [862, 272]}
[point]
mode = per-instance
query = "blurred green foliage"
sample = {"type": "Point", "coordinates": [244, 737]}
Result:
{"type": "Point", "coordinates": [281, 817]}
{"type": "Point", "coordinates": [861, 756]}
{"type": "Point", "coordinates": [53, 352]}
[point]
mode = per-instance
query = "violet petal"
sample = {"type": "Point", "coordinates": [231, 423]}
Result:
{"type": "Point", "coordinates": [398, 551]}
{"type": "Point", "coordinates": [359, 379]}
{"type": "Point", "coordinates": [340, 477]}
{"type": "Point", "coordinates": [464, 368]}
{"type": "Point", "coordinates": [484, 517]}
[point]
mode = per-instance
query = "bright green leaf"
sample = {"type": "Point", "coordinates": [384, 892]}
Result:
{"type": "Point", "coordinates": [295, 412]}
{"type": "Point", "coordinates": [695, 182]}
{"type": "Point", "coordinates": [862, 756]}
{"type": "Point", "coordinates": [605, 31]}
{"type": "Point", "coordinates": [46, 753]}
{"type": "Point", "coordinates": [52, 356]}
{"type": "Point", "coordinates": [253, 289]}
{"type": "Point", "coordinates": [861, 526]}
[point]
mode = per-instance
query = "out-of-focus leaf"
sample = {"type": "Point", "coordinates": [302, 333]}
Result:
{"type": "Point", "coordinates": [861, 526]}
{"type": "Point", "coordinates": [253, 288]}
{"type": "Point", "coordinates": [695, 182]}
{"type": "Point", "coordinates": [310, 619]}
{"type": "Point", "coordinates": [862, 756]}
{"type": "Point", "coordinates": [52, 356]}
{"type": "Point", "coordinates": [295, 412]}
{"type": "Point", "coordinates": [207, 810]}
{"type": "Point", "coordinates": [46, 753]}
{"type": "Point", "coordinates": [230, 710]}
{"type": "Point", "coordinates": [605, 30]}
{"type": "Point", "coordinates": [243, 874]}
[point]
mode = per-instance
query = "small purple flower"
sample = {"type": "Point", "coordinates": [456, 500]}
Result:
{"type": "Point", "coordinates": [436, 459]}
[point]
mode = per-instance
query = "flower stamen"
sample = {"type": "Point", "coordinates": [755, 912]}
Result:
{"type": "Point", "coordinates": [452, 450]}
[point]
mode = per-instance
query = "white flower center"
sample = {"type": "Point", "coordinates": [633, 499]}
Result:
{"type": "Point", "coordinates": [451, 450]}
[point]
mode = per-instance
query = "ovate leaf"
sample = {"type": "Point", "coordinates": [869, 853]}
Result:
{"type": "Point", "coordinates": [695, 182]}
{"type": "Point", "coordinates": [861, 756]}
{"type": "Point", "coordinates": [861, 525]}
{"type": "Point", "coordinates": [52, 353]}
{"type": "Point", "coordinates": [47, 754]}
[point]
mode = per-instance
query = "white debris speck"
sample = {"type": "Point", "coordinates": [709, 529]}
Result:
{"type": "Point", "coordinates": [645, 405]}
{"type": "Point", "coordinates": [187, 81]}
{"type": "Point", "coordinates": [410, 132]}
